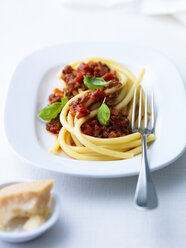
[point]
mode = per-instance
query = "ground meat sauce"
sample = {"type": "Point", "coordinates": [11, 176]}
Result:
{"type": "Point", "coordinates": [110, 99]}
{"type": "Point", "coordinates": [54, 125]}
{"type": "Point", "coordinates": [74, 78]}
{"type": "Point", "coordinates": [114, 83]}
{"type": "Point", "coordinates": [54, 98]}
{"type": "Point", "coordinates": [94, 69]}
{"type": "Point", "coordinates": [119, 125]}
{"type": "Point", "coordinates": [77, 106]}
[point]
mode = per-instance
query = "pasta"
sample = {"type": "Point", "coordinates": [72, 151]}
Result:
{"type": "Point", "coordinates": [81, 135]}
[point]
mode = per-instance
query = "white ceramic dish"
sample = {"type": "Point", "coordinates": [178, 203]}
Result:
{"type": "Point", "coordinates": [35, 77]}
{"type": "Point", "coordinates": [24, 236]}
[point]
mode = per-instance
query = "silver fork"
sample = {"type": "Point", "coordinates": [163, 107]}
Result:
{"type": "Point", "coordinates": [145, 195]}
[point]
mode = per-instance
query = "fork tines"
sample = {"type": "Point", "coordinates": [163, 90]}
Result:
{"type": "Point", "coordinates": [143, 108]}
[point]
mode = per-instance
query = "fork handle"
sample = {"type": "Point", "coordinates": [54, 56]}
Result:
{"type": "Point", "coordinates": [145, 195]}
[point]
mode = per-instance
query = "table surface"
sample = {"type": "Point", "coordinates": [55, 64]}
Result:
{"type": "Point", "coordinates": [95, 212]}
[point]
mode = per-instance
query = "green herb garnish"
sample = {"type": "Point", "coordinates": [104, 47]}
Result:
{"type": "Point", "coordinates": [64, 100]}
{"type": "Point", "coordinates": [51, 111]}
{"type": "Point", "coordinates": [94, 83]}
{"type": "Point", "coordinates": [103, 114]}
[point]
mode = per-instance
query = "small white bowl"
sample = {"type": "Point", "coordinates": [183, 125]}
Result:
{"type": "Point", "coordinates": [24, 236]}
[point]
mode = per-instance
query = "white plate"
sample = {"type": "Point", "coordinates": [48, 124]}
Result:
{"type": "Point", "coordinates": [35, 77]}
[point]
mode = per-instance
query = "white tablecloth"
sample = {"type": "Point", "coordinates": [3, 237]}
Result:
{"type": "Point", "coordinates": [95, 212]}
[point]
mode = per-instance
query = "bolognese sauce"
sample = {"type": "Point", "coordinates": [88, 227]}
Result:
{"type": "Point", "coordinates": [54, 126]}
{"type": "Point", "coordinates": [119, 125]}
{"type": "Point", "coordinates": [78, 106]}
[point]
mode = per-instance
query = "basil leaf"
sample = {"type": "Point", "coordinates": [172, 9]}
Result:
{"type": "Point", "coordinates": [64, 100]}
{"type": "Point", "coordinates": [94, 83]}
{"type": "Point", "coordinates": [51, 111]}
{"type": "Point", "coordinates": [103, 114]}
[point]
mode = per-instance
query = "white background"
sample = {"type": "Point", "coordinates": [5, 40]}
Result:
{"type": "Point", "coordinates": [95, 212]}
